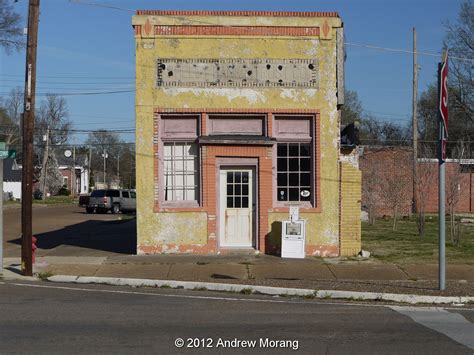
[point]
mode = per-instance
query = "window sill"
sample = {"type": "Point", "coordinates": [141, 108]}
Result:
{"type": "Point", "coordinates": [177, 207]}
{"type": "Point", "coordinates": [303, 209]}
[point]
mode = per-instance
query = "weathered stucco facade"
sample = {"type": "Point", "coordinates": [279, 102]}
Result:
{"type": "Point", "coordinates": [226, 87]}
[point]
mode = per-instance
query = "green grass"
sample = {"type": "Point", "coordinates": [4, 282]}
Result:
{"type": "Point", "coordinates": [404, 246]}
{"type": "Point", "coordinates": [55, 200]}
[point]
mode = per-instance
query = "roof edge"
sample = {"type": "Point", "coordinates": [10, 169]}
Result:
{"type": "Point", "coordinates": [236, 13]}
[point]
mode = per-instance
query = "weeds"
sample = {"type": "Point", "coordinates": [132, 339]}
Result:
{"type": "Point", "coordinates": [246, 291]}
{"type": "Point", "coordinates": [43, 276]}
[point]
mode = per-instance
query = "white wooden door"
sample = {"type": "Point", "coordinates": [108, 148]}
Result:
{"type": "Point", "coordinates": [236, 214]}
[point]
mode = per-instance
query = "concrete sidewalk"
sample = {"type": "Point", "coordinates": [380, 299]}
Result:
{"type": "Point", "coordinates": [337, 274]}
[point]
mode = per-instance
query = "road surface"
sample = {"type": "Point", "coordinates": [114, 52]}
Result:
{"type": "Point", "coordinates": [45, 317]}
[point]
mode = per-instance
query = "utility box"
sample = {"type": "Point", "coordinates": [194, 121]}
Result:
{"type": "Point", "coordinates": [293, 236]}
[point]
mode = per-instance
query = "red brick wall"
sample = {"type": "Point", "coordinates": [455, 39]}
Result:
{"type": "Point", "coordinates": [379, 166]}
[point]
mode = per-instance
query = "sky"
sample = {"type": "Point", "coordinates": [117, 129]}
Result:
{"type": "Point", "coordinates": [86, 49]}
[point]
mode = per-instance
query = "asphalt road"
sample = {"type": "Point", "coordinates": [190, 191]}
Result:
{"type": "Point", "coordinates": [66, 230]}
{"type": "Point", "coordinates": [58, 318]}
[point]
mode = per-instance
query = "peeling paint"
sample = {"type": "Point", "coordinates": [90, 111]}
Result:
{"type": "Point", "coordinates": [251, 95]}
{"type": "Point", "coordinates": [173, 232]}
{"type": "Point", "coordinates": [313, 49]}
{"type": "Point", "coordinates": [298, 95]}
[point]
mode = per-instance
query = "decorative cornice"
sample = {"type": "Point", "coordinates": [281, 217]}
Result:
{"type": "Point", "coordinates": [236, 13]}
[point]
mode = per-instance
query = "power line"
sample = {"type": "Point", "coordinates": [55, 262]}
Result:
{"type": "Point", "coordinates": [80, 93]}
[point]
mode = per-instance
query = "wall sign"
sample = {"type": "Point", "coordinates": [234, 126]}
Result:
{"type": "Point", "coordinates": [237, 72]}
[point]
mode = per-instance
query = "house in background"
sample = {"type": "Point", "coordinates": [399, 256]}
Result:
{"type": "Point", "coordinates": [237, 119]}
{"type": "Point", "coordinates": [75, 173]}
{"type": "Point", "coordinates": [12, 179]}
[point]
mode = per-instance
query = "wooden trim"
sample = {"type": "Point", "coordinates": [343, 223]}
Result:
{"type": "Point", "coordinates": [164, 110]}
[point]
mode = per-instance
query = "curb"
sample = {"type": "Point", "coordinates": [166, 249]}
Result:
{"type": "Point", "coordinates": [266, 290]}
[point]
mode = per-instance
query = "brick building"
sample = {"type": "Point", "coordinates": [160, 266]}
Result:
{"type": "Point", "coordinates": [387, 171]}
{"type": "Point", "coordinates": [237, 117]}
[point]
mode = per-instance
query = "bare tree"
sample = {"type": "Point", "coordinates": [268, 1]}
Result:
{"type": "Point", "coordinates": [11, 32]}
{"type": "Point", "coordinates": [393, 185]}
{"type": "Point", "coordinates": [453, 188]}
{"type": "Point", "coordinates": [53, 129]}
{"type": "Point", "coordinates": [460, 41]}
{"type": "Point", "coordinates": [371, 170]}
{"type": "Point", "coordinates": [10, 117]}
{"type": "Point", "coordinates": [426, 178]}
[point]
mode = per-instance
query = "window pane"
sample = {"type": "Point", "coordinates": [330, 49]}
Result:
{"type": "Point", "coordinates": [294, 179]}
{"type": "Point", "coordinates": [305, 194]}
{"type": "Point", "coordinates": [293, 194]}
{"type": "Point", "coordinates": [133, 194]}
{"type": "Point", "coordinates": [245, 202]}
{"type": "Point", "coordinates": [230, 177]}
{"type": "Point", "coordinates": [230, 202]}
{"type": "Point", "coordinates": [282, 179]}
{"type": "Point", "coordinates": [305, 150]}
{"type": "Point", "coordinates": [282, 194]}
{"type": "Point", "coordinates": [245, 189]}
{"type": "Point", "coordinates": [245, 177]}
{"type": "Point", "coordinates": [282, 164]}
{"type": "Point", "coordinates": [282, 150]}
{"type": "Point", "coordinates": [294, 166]}
{"type": "Point", "coordinates": [237, 189]}
{"type": "Point", "coordinates": [305, 179]}
{"type": "Point", "coordinates": [237, 203]}
{"type": "Point", "coordinates": [305, 164]}
{"type": "Point", "coordinates": [293, 149]}
{"type": "Point", "coordinates": [230, 190]}
{"type": "Point", "coordinates": [125, 194]}
{"type": "Point", "coordinates": [237, 176]}
{"type": "Point", "coordinates": [190, 194]}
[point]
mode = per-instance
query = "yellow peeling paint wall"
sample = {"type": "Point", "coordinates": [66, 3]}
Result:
{"type": "Point", "coordinates": [350, 209]}
{"type": "Point", "coordinates": [154, 228]}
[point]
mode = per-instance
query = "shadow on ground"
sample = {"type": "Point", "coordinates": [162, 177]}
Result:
{"type": "Point", "coordinates": [118, 236]}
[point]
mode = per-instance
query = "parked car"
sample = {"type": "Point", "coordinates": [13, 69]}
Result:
{"type": "Point", "coordinates": [83, 200]}
{"type": "Point", "coordinates": [102, 201]}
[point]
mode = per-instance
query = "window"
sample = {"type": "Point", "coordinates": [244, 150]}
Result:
{"type": "Point", "coordinates": [112, 193]}
{"type": "Point", "coordinates": [237, 189]}
{"type": "Point", "coordinates": [133, 194]}
{"type": "Point", "coordinates": [125, 194]}
{"type": "Point", "coordinates": [98, 193]}
{"type": "Point", "coordinates": [180, 171]}
{"type": "Point", "coordinates": [294, 172]}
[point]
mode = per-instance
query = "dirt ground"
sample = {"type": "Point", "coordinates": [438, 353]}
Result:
{"type": "Point", "coordinates": [66, 230]}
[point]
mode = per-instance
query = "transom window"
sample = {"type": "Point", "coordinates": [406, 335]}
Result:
{"type": "Point", "coordinates": [237, 189]}
{"type": "Point", "coordinates": [180, 171]}
{"type": "Point", "coordinates": [294, 172]}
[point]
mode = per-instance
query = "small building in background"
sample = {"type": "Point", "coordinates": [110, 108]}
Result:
{"type": "Point", "coordinates": [75, 173]}
{"type": "Point", "coordinates": [11, 179]}
{"type": "Point", "coordinates": [237, 119]}
{"type": "Point", "coordinates": [387, 181]}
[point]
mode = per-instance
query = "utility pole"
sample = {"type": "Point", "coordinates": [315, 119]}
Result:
{"type": "Point", "coordinates": [44, 166]}
{"type": "Point", "coordinates": [415, 125]}
{"type": "Point", "coordinates": [118, 167]}
{"type": "Point", "coordinates": [28, 127]}
{"type": "Point", "coordinates": [89, 168]}
{"type": "Point", "coordinates": [73, 171]}
{"type": "Point", "coordinates": [105, 156]}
